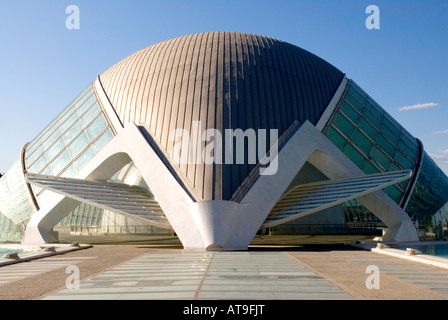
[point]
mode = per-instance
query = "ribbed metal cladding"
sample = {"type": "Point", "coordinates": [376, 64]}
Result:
{"type": "Point", "coordinates": [225, 80]}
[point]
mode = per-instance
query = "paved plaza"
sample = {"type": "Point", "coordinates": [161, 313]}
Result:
{"type": "Point", "coordinates": [142, 271]}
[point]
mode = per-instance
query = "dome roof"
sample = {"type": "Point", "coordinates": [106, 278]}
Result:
{"type": "Point", "coordinates": [225, 80]}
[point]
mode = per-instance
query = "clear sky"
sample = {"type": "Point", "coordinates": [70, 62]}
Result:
{"type": "Point", "coordinates": [44, 65]}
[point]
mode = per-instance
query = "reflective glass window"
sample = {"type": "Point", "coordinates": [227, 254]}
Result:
{"type": "Point", "coordinates": [406, 150]}
{"type": "Point", "coordinates": [85, 158]}
{"type": "Point", "coordinates": [55, 148]}
{"type": "Point", "coordinates": [390, 135]}
{"type": "Point", "coordinates": [344, 125]}
{"type": "Point", "coordinates": [96, 127]}
{"type": "Point", "coordinates": [368, 129]}
{"type": "Point", "coordinates": [369, 168]}
{"type": "Point", "coordinates": [405, 136]}
{"type": "Point", "coordinates": [371, 118]}
{"type": "Point", "coordinates": [47, 171]}
{"type": "Point", "coordinates": [48, 132]}
{"type": "Point", "coordinates": [354, 103]}
{"type": "Point", "coordinates": [72, 132]}
{"type": "Point", "coordinates": [54, 136]}
{"type": "Point", "coordinates": [350, 112]}
{"type": "Point", "coordinates": [79, 144]}
{"type": "Point", "coordinates": [103, 140]}
{"type": "Point", "coordinates": [71, 139]}
{"type": "Point", "coordinates": [90, 114]}
{"type": "Point", "coordinates": [61, 162]}
{"type": "Point", "coordinates": [411, 144]}
{"type": "Point", "coordinates": [35, 155]}
{"type": "Point", "coordinates": [403, 161]}
{"type": "Point", "coordinates": [69, 122]}
{"type": "Point", "coordinates": [380, 158]}
{"type": "Point", "coordinates": [361, 140]}
{"type": "Point", "coordinates": [354, 155]}
{"type": "Point", "coordinates": [70, 171]}
{"type": "Point", "coordinates": [375, 110]}
{"type": "Point", "coordinates": [334, 136]}
{"type": "Point", "coordinates": [385, 145]}
{"type": "Point", "coordinates": [394, 167]}
{"type": "Point", "coordinates": [392, 125]}
{"type": "Point", "coordinates": [355, 90]}
{"type": "Point", "coordinates": [85, 104]}
{"type": "Point", "coordinates": [39, 164]}
{"type": "Point", "coordinates": [394, 193]}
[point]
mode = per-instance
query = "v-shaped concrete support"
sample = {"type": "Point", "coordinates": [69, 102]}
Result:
{"type": "Point", "coordinates": [225, 225]}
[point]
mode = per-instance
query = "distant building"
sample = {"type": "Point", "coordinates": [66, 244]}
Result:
{"type": "Point", "coordinates": [215, 137]}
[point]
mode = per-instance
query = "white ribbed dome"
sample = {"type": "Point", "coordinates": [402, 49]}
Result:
{"type": "Point", "coordinates": [225, 80]}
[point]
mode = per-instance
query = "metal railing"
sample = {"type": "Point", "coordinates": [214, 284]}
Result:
{"type": "Point", "coordinates": [349, 228]}
{"type": "Point", "coordinates": [92, 230]}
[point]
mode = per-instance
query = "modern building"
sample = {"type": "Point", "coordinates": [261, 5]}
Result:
{"type": "Point", "coordinates": [215, 137]}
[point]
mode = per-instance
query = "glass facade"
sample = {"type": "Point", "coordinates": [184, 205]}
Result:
{"type": "Point", "coordinates": [372, 139]}
{"type": "Point", "coordinates": [71, 140]}
{"type": "Point", "coordinates": [63, 148]}
{"type": "Point", "coordinates": [375, 142]}
{"type": "Point", "coordinates": [83, 215]}
{"type": "Point", "coordinates": [430, 192]}
{"type": "Point", "coordinates": [440, 223]}
{"type": "Point", "coordinates": [16, 207]}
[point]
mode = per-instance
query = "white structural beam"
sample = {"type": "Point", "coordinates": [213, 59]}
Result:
{"type": "Point", "coordinates": [226, 225]}
{"type": "Point", "coordinates": [308, 144]}
{"type": "Point", "coordinates": [312, 197]}
{"type": "Point", "coordinates": [128, 200]}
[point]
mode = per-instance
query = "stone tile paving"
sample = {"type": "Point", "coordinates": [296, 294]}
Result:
{"type": "Point", "coordinates": [211, 275]}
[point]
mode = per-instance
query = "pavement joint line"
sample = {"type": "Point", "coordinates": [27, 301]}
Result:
{"type": "Point", "coordinates": [198, 290]}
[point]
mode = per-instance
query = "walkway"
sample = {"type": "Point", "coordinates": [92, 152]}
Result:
{"type": "Point", "coordinates": [218, 275]}
{"type": "Point", "coordinates": [141, 271]}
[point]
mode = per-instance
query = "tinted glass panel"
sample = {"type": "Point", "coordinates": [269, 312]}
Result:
{"type": "Point", "coordinates": [336, 138]}
{"type": "Point", "coordinates": [403, 161]}
{"type": "Point", "coordinates": [354, 155]}
{"type": "Point", "coordinates": [361, 140]}
{"type": "Point", "coordinates": [372, 119]}
{"type": "Point", "coordinates": [380, 158]}
{"type": "Point", "coordinates": [385, 145]}
{"type": "Point", "coordinates": [354, 102]}
{"type": "Point", "coordinates": [394, 193]}
{"type": "Point", "coordinates": [344, 125]}
{"type": "Point", "coordinates": [350, 112]}
{"type": "Point", "coordinates": [369, 168]}
{"type": "Point", "coordinates": [368, 129]}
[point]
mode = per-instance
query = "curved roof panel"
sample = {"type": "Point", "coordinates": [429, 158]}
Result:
{"type": "Point", "coordinates": [221, 80]}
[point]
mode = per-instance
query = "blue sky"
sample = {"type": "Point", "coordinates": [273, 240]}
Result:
{"type": "Point", "coordinates": [44, 65]}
